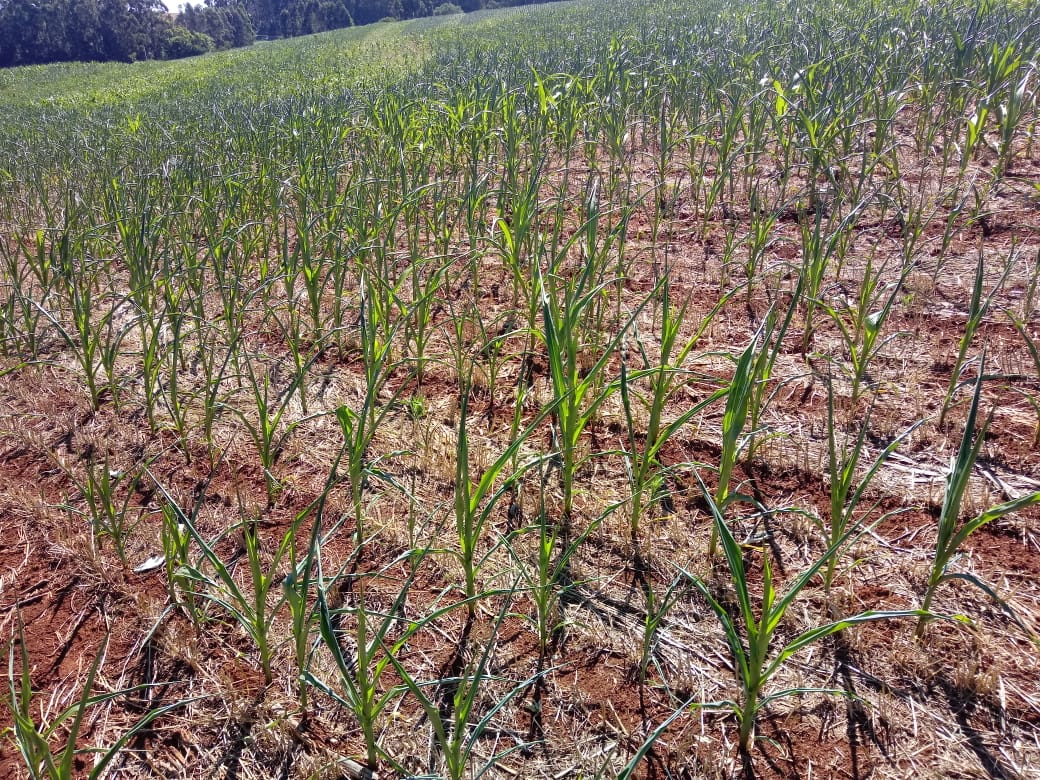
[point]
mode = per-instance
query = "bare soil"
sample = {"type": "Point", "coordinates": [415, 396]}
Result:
{"type": "Point", "coordinates": [962, 703]}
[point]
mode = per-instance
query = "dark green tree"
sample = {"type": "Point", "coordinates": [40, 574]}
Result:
{"type": "Point", "coordinates": [229, 25]}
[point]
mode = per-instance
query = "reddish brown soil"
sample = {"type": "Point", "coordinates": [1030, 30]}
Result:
{"type": "Point", "coordinates": [964, 702]}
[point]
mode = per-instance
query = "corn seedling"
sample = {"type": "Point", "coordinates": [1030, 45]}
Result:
{"type": "Point", "coordinates": [578, 389]}
{"type": "Point", "coordinates": [734, 419]}
{"type": "Point", "coordinates": [475, 500]}
{"type": "Point", "coordinates": [1032, 343]}
{"type": "Point", "coordinates": [665, 376]}
{"type": "Point", "coordinates": [861, 321]}
{"type": "Point", "coordinates": [824, 242]}
{"type": "Point", "coordinates": [265, 429]}
{"type": "Point", "coordinates": [1010, 115]}
{"type": "Point", "coordinates": [847, 487]}
{"type": "Point", "coordinates": [359, 670]}
{"type": "Point", "coordinates": [109, 515]}
{"type": "Point", "coordinates": [176, 544]}
{"type": "Point", "coordinates": [978, 307]}
{"type": "Point", "coordinates": [953, 532]}
{"type": "Point", "coordinates": [451, 705]}
{"type": "Point", "coordinates": [93, 338]}
{"type": "Point", "coordinates": [546, 575]}
{"type": "Point", "coordinates": [211, 578]}
{"type": "Point", "coordinates": [752, 631]}
{"type": "Point", "coordinates": [298, 583]}
{"type": "Point", "coordinates": [35, 740]}
{"type": "Point", "coordinates": [762, 391]}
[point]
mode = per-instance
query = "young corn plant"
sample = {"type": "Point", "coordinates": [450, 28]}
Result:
{"type": "Point", "coordinates": [1000, 64]}
{"type": "Point", "coordinates": [759, 648]}
{"type": "Point", "coordinates": [665, 377]}
{"type": "Point", "coordinates": [847, 488]}
{"type": "Point", "coordinates": [296, 589]}
{"type": "Point", "coordinates": [176, 544]}
{"type": "Point", "coordinates": [774, 329]}
{"type": "Point", "coordinates": [475, 500]}
{"type": "Point", "coordinates": [153, 330]}
{"type": "Point", "coordinates": [266, 429]}
{"type": "Point", "coordinates": [427, 279]}
{"type": "Point", "coordinates": [1032, 343]}
{"type": "Point", "coordinates": [193, 408]}
{"type": "Point", "coordinates": [28, 275]}
{"type": "Point", "coordinates": [734, 419]}
{"type": "Point", "coordinates": [35, 740]}
{"type": "Point", "coordinates": [493, 355]}
{"type": "Point", "coordinates": [95, 334]}
{"type": "Point", "coordinates": [360, 676]}
{"type": "Point", "coordinates": [211, 578]}
{"type": "Point", "coordinates": [516, 239]}
{"type": "Point", "coordinates": [953, 532]}
{"type": "Point", "coordinates": [360, 669]}
{"type": "Point", "coordinates": [658, 605]}
{"type": "Point", "coordinates": [825, 241]}
{"type": "Point", "coordinates": [541, 580]}
{"type": "Point", "coordinates": [578, 391]}
{"type": "Point", "coordinates": [860, 322]}
{"type": "Point", "coordinates": [1010, 115]}
{"type": "Point", "coordinates": [359, 425]}
{"type": "Point", "coordinates": [758, 240]}
{"type": "Point", "coordinates": [665, 192]}
{"type": "Point", "coordinates": [303, 350]}
{"type": "Point", "coordinates": [978, 307]}
{"type": "Point", "coordinates": [545, 575]}
{"type": "Point", "coordinates": [106, 496]}
{"type": "Point", "coordinates": [459, 724]}
{"type": "Point", "coordinates": [301, 579]}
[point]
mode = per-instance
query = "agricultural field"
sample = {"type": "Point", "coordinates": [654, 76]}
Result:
{"type": "Point", "coordinates": [594, 390]}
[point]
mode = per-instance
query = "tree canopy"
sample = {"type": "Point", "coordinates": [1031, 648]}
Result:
{"type": "Point", "coordinates": [39, 31]}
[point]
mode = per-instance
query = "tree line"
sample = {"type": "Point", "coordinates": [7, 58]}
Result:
{"type": "Point", "coordinates": [40, 31]}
